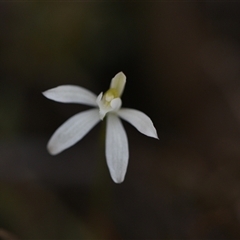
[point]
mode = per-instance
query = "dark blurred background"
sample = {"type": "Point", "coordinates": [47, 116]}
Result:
{"type": "Point", "coordinates": [182, 62]}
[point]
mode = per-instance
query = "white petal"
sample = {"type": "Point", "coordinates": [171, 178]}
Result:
{"type": "Point", "coordinates": [71, 94]}
{"type": "Point", "coordinates": [116, 103]}
{"type": "Point", "coordinates": [118, 82]}
{"type": "Point", "coordinates": [116, 148]}
{"type": "Point", "coordinates": [99, 98]}
{"type": "Point", "coordinates": [139, 120]}
{"type": "Point", "coordinates": [73, 130]}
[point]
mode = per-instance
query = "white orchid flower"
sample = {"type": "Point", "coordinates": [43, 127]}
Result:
{"type": "Point", "coordinates": [109, 105]}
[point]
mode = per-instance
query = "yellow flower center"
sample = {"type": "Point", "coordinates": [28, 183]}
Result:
{"type": "Point", "coordinates": [109, 96]}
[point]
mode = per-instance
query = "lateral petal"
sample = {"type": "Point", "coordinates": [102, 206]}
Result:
{"type": "Point", "coordinates": [116, 148]}
{"type": "Point", "coordinates": [73, 130]}
{"type": "Point", "coordinates": [71, 94]}
{"type": "Point", "coordinates": [139, 120]}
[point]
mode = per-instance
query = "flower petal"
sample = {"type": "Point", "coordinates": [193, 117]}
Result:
{"type": "Point", "coordinates": [73, 130]}
{"type": "Point", "coordinates": [139, 120]}
{"type": "Point", "coordinates": [118, 82]}
{"type": "Point", "coordinates": [71, 94]}
{"type": "Point", "coordinates": [99, 98]}
{"type": "Point", "coordinates": [116, 148]}
{"type": "Point", "coordinates": [115, 104]}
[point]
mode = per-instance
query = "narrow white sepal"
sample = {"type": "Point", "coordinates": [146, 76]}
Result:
{"type": "Point", "coordinates": [71, 94]}
{"type": "Point", "coordinates": [139, 120]}
{"type": "Point", "coordinates": [116, 148]}
{"type": "Point", "coordinates": [73, 130]}
{"type": "Point", "coordinates": [118, 82]}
